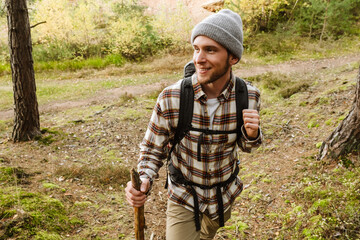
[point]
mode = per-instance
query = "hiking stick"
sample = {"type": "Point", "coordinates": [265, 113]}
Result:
{"type": "Point", "coordinates": [138, 211]}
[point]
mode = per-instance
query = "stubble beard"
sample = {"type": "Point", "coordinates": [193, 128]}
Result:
{"type": "Point", "coordinates": [217, 75]}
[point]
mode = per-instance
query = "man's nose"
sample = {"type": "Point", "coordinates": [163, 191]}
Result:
{"type": "Point", "coordinates": [200, 57]}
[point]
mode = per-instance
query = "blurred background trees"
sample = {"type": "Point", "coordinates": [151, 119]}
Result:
{"type": "Point", "coordinates": [117, 31]}
{"type": "Point", "coordinates": [311, 18]}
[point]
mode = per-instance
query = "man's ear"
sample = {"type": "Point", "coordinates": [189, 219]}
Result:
{"type": "Point", "coordinates": [233, 60]}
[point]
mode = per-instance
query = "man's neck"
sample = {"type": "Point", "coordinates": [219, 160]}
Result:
{"type": "Point", "coordinates": [214, 89]}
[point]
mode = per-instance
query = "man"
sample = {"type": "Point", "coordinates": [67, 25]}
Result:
{"type": "Point", "coordinates": [210, 166]}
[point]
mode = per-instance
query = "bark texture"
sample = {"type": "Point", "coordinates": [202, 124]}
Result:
{"type": "Point", "coordinates": [139, 214]}
{"type": "Point", "coordinates": [346, 137]}
{"type": "Point", "coordinates": [26, 119]}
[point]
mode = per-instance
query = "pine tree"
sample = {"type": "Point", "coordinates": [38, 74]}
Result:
{"type": "Point", "coordinates": [26, 122]}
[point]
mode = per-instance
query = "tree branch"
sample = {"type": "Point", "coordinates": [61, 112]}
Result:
{"type": "Point", "coordinates": [38, 24]}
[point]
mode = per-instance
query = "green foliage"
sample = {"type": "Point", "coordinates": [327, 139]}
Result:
{"type": "Point", "coordinates": [279, 85]}
{"type": "Point", "coordinates": [319, 144]}
{"type": "Point", "coordinates": [10, 175]}
{"type": "Point", "coordinates": [43, 235]}
{"type": "Point", "coordinates": [77, 64]}
{"type": "Point", "coordinates": [5, 68]}
{"type": "Point", "coordinates": [80, 34]}
{"type": "Point", "coordinates": [288, 91]}
{"type": "Point", "coordinates": [328, 18]}
{"type": "Point", "coordinates": [48, 136]}
{"type": "Point", "coordinates": [277, 43]}
{"type": "Point", "coordinates": [50, 186]}
{"type": "Point", "coordinates": [2, 9]}
{"type": "Point", "coordinates": [5, 125]}
{"type": "Point", "coordinates": [331, 204]}
{"type": "Point", "coordinates": [312, 18]}
{"type": "Point", "coordinates": [260, 15]}
{"type": "Point", "coordinates": [313, 123]}
{"type": "Point", "coordinates": [82, 29]}
{"type": "Point", "coordinates": [138, 38]}
{"type": "Point", "coordinates": [26, 215]}
{"type": "Point", "coordinates": [174, 27]}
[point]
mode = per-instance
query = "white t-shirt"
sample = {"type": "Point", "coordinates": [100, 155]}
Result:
{"type": "Point", "coordinates": [212, 105]}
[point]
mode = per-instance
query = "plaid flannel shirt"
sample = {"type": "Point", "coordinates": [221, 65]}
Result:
{"type": "Point", "coordinates": [219, 150]}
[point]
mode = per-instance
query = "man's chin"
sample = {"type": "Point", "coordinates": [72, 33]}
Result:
{"type": "Point", "coordinates": [203, 80]}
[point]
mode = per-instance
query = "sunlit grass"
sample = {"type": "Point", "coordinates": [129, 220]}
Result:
{"type": "Point", "coordinates": [271, 52]}
{"type": "Point", "coordinates": [50, 90]}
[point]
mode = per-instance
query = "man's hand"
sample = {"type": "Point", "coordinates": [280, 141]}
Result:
{"type": "Point", "coordinates": [251, 122]}
{"type": "Point", "coordinates": [137, 198]}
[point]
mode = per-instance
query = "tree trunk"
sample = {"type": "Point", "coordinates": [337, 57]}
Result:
{"type": "Point", "coordinates": [346, 137]}
{"type": "Point", "coordinates": [324, 24]}
{"type": "Point", "coordinates": [26, 121]}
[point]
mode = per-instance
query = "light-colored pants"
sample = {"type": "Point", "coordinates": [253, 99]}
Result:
{"type": "Point", "coordinates": [180, 224]}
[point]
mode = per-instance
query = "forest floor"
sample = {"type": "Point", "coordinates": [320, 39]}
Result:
{"type": "Point", "coordinates": [89, 145]}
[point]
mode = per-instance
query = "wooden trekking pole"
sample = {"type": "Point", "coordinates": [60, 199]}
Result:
{"type": "Point", "coordinates": [139, 222]}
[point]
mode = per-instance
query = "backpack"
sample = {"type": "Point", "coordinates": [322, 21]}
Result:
{"type": "Point", "coordinates": [187, 107]}
{"type": "Point", "coordinates": [184, 125]}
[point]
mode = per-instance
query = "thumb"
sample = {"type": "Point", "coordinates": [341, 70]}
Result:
{"type": "Point", "coordinates": [144, 185]}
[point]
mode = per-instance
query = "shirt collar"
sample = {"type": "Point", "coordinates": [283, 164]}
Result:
{"type": "Point", "coordinates": [200, 94]}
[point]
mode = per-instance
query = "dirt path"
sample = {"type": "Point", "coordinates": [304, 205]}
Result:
{"type": "Point", "coordinates": [269, 174]}
{"type": "Point", "coordinates": [108, 96]}
{"type": "Point", "coordinates": [300, 66]}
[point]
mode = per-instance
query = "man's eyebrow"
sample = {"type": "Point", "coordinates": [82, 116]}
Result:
{"type": "Point", "coordinates": [207, 46]}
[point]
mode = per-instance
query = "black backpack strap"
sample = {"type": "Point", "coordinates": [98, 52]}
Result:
{"type": "Point", "coordinates": [186, 109]}
{"type": "Point", "coordinates": [242, 102]}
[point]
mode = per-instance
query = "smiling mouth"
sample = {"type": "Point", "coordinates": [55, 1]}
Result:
{"type": "Point", "coordinates": [203, 70]}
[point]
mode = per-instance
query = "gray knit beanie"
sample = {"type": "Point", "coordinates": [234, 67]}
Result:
{"type": "Point", "coordinates": [224, 27]}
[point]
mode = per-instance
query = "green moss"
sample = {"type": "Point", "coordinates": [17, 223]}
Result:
{"type": "Point", "coordinates": [11, 174]}
{"type": "Point", "coordinates": [132, 114]}
{"type": "Point", "coordinates": [319, 144]}
{"type": "Point", "coordinates": [267, 112]}
{"type": "Point", "coordinates": [39, 216]}
{"type": "Point", "coordinates": [272, 215]}
{"type": "Point", "coordinates": [324, 100]}
{"type": "Point", "coordinates": [50, 186]}
{"type": "Point", "coordinates": [256, 197]}
{"type": "Point", "coordinates": [84, 204]}
{"type": "Point", "coordinates": [320, 205]}
{"type": "Point", "coordinates": [303, 104]}
{"type": "Point", "coordinates": [329, 122]}
{"type": "Point", "coordinates": [313, 123]}
{"type": "Point", "coordinates": [238, 224]}
{"type": "Point", "coordinates": [7, 213]}
{"type": "Point", "coordinates": [292, 89]}
{"type": "Point", "coordinates": [267, 180]}
{"type": "Point", "coordinates": [43, 235]}
{"type": "Point", "coordinates": [342, 118]}
{"type": "Point", "coordinates": [4, 125]}
{"type": "Point", "coordinates": [6, 174]}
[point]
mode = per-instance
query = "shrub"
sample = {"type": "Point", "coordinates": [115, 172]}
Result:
{"type": "Point", "coordinates": [312, 18]}
{"type": "Point", "coordinates": [173, 26]}
{"type": "Point", "coordinates": [260, 15]}
{"type": "Point", "coordinates": [84, 29]}
{"type": "Point", "coordinates": [317, 18]}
